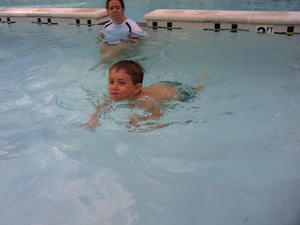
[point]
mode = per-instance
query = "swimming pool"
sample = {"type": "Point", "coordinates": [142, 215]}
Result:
{"type": "Point", "coordinates": [231, 156]}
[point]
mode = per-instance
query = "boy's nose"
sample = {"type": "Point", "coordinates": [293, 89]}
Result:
{"type": "Point", "coordinates": [114, 86]}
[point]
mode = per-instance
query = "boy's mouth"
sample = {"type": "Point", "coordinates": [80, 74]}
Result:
{"type": "Point", "coordinates": [115, 95]}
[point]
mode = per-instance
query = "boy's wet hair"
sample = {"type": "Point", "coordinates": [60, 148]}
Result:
{"type": "Point", "coordinates": [121, 1]}
{"type": "Point", "coordinates": [132, 68]}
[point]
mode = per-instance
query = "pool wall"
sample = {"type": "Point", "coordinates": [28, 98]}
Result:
{"type": "Point", "coordinates": [79, 16]}
{"type": "Point", "coordinates": [216, 20]}
{"type": "Point", "coordinates": [260, 21]}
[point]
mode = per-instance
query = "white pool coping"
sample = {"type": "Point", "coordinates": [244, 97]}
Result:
{"type": "Point", "coordinates": [55, 15]}
{"type": "Point", "coordinates": [249, 17]}
{"type": "Point", "coordinates": [278, 21]}
{"type": "Point", "coordinates": [286, 22]}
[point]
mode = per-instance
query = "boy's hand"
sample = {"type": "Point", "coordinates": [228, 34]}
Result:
{"type": "Point", "coordinates": [136, 117]}
{"type": "Point", "coordinates": [201, 86]}
{"type": "Point", "coordinates": [93, 122]}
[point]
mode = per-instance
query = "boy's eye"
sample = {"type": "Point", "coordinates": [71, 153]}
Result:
{"type": "Point", "coordinates": [122, 82]}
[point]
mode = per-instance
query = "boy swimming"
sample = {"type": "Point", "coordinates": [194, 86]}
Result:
{"type": "Point", "coordinates": [126, 83]}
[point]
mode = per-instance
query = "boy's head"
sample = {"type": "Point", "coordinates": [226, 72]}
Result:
{"type": "Point", "coordinates": [133, 69]}
{"type": "Point", "coordinates": [125, 80]}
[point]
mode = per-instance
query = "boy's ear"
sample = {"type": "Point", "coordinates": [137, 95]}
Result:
{"type": "Point", "coordinates": [138, 88]}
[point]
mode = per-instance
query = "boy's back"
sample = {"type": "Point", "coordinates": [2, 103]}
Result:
{"type": "Point", "coordinates": [159, 91]}
{"type": "Point", "coordinates": [170, 91]}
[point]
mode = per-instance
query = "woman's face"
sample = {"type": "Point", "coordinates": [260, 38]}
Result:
{"type": "Point", "coordinates": [115, 11]}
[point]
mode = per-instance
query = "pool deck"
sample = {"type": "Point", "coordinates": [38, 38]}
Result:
{"type": "Point", "coordinates": [86, 16]}
{"type": "Point", "coordinates": [260, 21]}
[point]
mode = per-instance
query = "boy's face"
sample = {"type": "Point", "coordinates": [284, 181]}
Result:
{"type": "Point", "coordinates": [121, 87]}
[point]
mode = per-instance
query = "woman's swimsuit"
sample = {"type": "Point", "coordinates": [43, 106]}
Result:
{"type": "Point", "coordinates": [116, 33]}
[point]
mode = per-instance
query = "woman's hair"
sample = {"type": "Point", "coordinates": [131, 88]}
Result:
{"type": "Point", "coordinates": [132, 68]}
{"type": "Point", "coordinates": [121, 1]}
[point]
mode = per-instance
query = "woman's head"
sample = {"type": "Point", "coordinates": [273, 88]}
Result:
{"type": "Point", "coordinates": [121, 2]}
{"type": "Point", "coordinates": [115, 10]}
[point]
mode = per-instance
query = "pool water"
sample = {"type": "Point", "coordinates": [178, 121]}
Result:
{"type": "Point", "coordinates": [230, 156]}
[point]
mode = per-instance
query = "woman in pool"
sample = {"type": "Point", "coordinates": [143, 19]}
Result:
{"type": "Point", "coordinates": [120, 28]}
{"type": "Point", "coordinates": [120, 31]}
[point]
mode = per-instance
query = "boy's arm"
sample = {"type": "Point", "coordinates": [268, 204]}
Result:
{"type": "Point", "coordinates": [153, 108]}
{"type": "Point", "coordinates": [94, 119]}
{"type": "Point", "coordinates": [137, 117]}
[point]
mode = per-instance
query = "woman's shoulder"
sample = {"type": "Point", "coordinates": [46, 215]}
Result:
{"type": "Point", "coordinates": [132, 23]}
{"type": "Point", "coordinates": [106, 25]}
{"type": "Point", "coordinates": [135, 28]}
{"type": "Point", "coordinates": [128, 20]}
